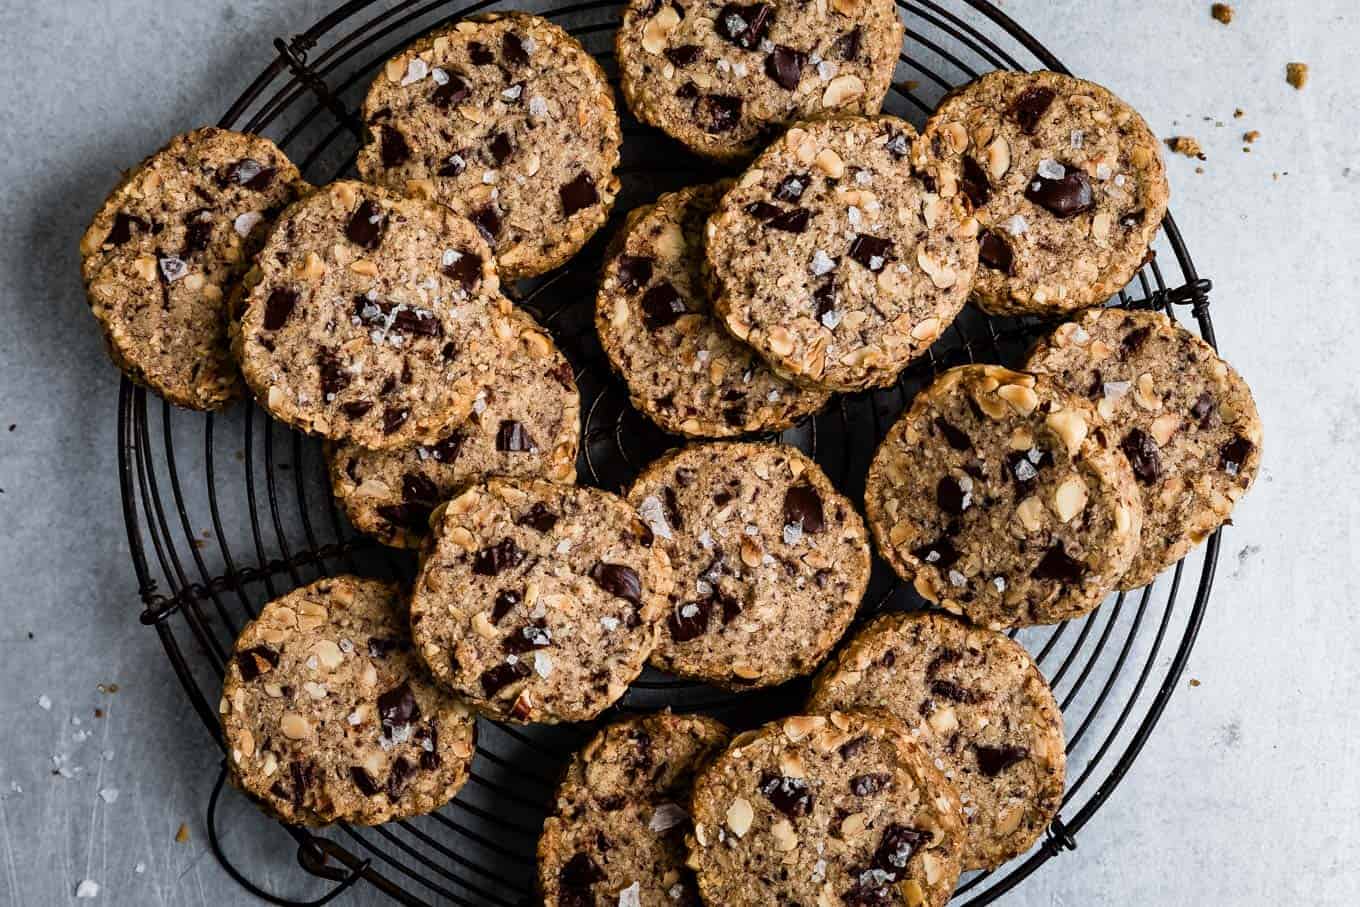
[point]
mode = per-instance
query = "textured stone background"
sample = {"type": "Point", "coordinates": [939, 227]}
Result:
{"type": "Point", "coordinates": [1247, 793]}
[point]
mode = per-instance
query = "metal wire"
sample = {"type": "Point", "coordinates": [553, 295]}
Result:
{"type": "Point", "coordinates": [1110, 674]}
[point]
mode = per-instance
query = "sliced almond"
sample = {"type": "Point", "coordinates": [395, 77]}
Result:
{"type": "Point", "coordinates": [294, 726]}
{"type": "Point", "coordinates": [739, 816]}
{"type": "Point", "coordinates": [657, 28]}
{"type": "Point", "coordinates": [1070, 426]}
{"type": "Point", "coordinates": [842, 90]}
{"type": "Point", "coordinates": [1070, 498]}
{"type": "Point", "coordinates": [1022, 399]}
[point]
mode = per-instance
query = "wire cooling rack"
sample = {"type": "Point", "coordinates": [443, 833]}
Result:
{"type": "Point", "coordinates": [225, 511]}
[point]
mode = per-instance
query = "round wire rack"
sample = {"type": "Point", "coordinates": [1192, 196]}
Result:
{"type": "Point", "coordinates": [226, 511]}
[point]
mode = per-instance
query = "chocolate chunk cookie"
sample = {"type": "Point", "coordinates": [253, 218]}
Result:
{"type": "Point", "coordinates": [371, 318]}
{"type": "Point", "coordinates": [978, 703]}
{"type": "Point", "coordinates": [844, 809]}
{"type": "Point", "coordinates": [770, 562]}
{"type": "Point", "coordinates": [1184, 418]}
{"type": "Point", "coordinates": [1002, 498]}
{"type": "Point", "coordinates": [616, 833]}
{"type": "Point", "coordinates": [526, 421]}
{"type": "Point", "coordinates": [538, 602]}
{"type": "Point", "coordinates": [833, 260]}
{"type": "Point", "coordinates": [506, 119]}
{"type": "Point", "coordinates": [1066, 180]}
{"type": "Point", "coordinates": [166, 249]}
{"type": "Point", "coordinates": [655, 323]}
{"type": "Point", "coordinates": [328, 715]}
{"type": "Point", "coordinates": [723, 77]}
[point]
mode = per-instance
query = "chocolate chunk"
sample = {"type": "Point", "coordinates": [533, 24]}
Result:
{"type": "Point", "coordinates": [301, 776]}
{"type": "Point", "coordinates": [851, 748]}
{"type": "Point", "coordinates": [502, 675]}
{"type": "Point", "coordinates": [380, 647]}
{"type": "Point", "coordinates": [825, 297]}
{"type": "Point", "coordinates": [367, 224]}
{"type": "Point", "coordinates": [1133, 341]}
{"type": "Point", "coordinates": [1065, 197]}
{"type": "Point", "coordinates": [744, 26]}
{"type": "Point", "coordinates": [995, 252]}
{"type": "Point", "coordinates": [1030, 107]}
{"type": "Point", "coordinates": [940, 553]}
{"type": "Point", "coordinates": [480, 54]}
{"type": "Point", "coordinates": [334, 378]}
{"type": "Point", "coordinates": [453, 92]}
{"type": "Point", "coordinates": [505, 600]}
{"type": "Point", "coordinates": [198, 230]}
{"type": "Point", "coordinates": [944, 659]}
{"type": "Point", "coordinates": [1024, 468]}
{"type": "Point", "coordinates": [578, 194]}
{"type": "Point", "coordinates": [247, 172]}
{"type": "Point", "coordinates": [429, 752]}
{"type": "Point", "coordinates": [689, 620]}
{"type": "Point", "coordinates": [719, 112]}
{"type": "Point", "coordinates": [672, 504]}
{"type": "Point", "coordinates": [682, 56]}
{"type": "Point", "coordinates": [870, 784]}
{"type": "Point", "coordinates": [418, 487]}
{"type": "Point", "coordinates": [278, 307]}
{"type": "Point", "coordinates": [1144, 455]}
{"type": "Point", "coordinates": [897, 144]}
{"type": "Point", "coordinates": [762, 210]}
{"type": "Point", "coordinates": [394, 417]}
{"type": "Point", "coordinates": [795, 220]}
{"type": "Point", "coordinates": [951, 497]}
{"type": "Point", "coordinates": [662, 306]}
{"type": "Point", "coordinates": [501, 148]}
{"type": "Point", "coordinates": [635, 272]}
{"type": "Point", "coordinates": [803, 507]}
{"type": "Point", "coordinates": [618, 580]}
{"type": "Point", "coordinates": [466, 269]}
{"type": "Point", "coordinates": [948, 689]}
{"type": "Point", "coordinates": [356, 409]}
{"type": "Point", "coordinates": [974, 183]}
{"type": "Point", "coordinates": [493, 559]}
{"type": "Point", "coordinates": [731, 608]}
{"type": "Point", "coordinates": [788, 795]}
{"type": "Point", "coordinates": [871, 251]}
{"type": "Point", "coordinates": [255, 661]}
{"type": "Point", "coordinates": [792, 187]}
{"type": "Point", "coordinates": [1203, 409]}
{"type": "Point", "coordinates": [993, 760]}
{"type": "Point", "coordinates": [363, 780]}
{"type": "Point", "coordinates": [848, 45]}
{"type": "Point", "coordinates": [447, 450]}
{"type": "Point", "coordinates": [576, 879]}
{"type": "Point", "coordinates": [392, 147]}
{"type": "Point", "coordinates": [416, 323]}
{"type": "Point", "coordinates": [1232, 455]}
{"type": "Point", "coordinates": [1058, 565]}
{"type": "Point", "coordinates": [896, 849]}
{"type": "Point", "coordinates": [957, 438]}
{"type": "Point", "coordinates": [487, 220]}
{"type": "Point", "coordinates": [122, 228]}
{"type": "Point", "coordinates": [527, 638]}
{"type": "Point", "coordinates": [785, 66]}
{"type": "Point", "coordinates": [513, 437]}
{"type": "Point", "coordinates": [512, 49]}
{"type": "Point", "coordinates": [687, 92]}
{"type": "Point", "coordinates": [1132, 219]}
{"type": "Point", "coordinates": [397, 708]}
{"type": "Point", "coordinates": [414, 516]}
{"type": "Point", "coordinates": [453, 165]}
{"type": "Point", "coordinates": [399, 777]}
{"type": "Point", "coordinates": [538, 518]}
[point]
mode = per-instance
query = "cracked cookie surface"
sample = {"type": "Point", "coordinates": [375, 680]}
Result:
{"type": "Point", "coordinates": [538, 602]}
{"type": "Point", "coordinates": [722, 78]}
{"type": "Point", "coordinates": [1001, 497]}
{"type": "Point", "coordinates": [832, 260]}
{"type": "Point", "coordinates": [525, 421]}
{"type": "Point", "coordinates": [1185, 419]}
{"type": "Point", "coordinates": [329, 716]}
{"type": "Point", "coordinates": [1066, 180]}
{"type": "Point", "coordinates": [506, 119]}
{"type": "Point", "coordinates": [656, 324]}
{"type": "Point", "coordinates": [843, 809]}
{"type": "Point", "coordinates": [973, 698]}
{"type": "Point", "coordinates": [769, 561]}
{"type": "Point", "coordinates": [616, 832]}
{"type": "Point", "coordinates": [164, 252]}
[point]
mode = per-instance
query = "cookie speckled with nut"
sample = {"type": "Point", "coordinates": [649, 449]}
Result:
{"type": "Point", "coordinates": [770, 561]}
{"type": "Point", "coordinates": [164, 253]}
{"type": "Point", "coordinates": [371, 318]}
{"type": "Point", "coordinates": [833, 260]}
{"type": "Point", "coordinates": [976, 701]}
{"type": "Point", "coordinates": [617, 829]}
{"type": "Point", "coordinates": [328, 716]}
{"type": "Point", "coordinates": [839, 809]}
{"type": "Point", "coordinates": [526, 421]}
{"type": "Point", "coordinates": [1067, 182]}
{"type": "Point", "coordinates": [536, 601]}
{"type": "Point", "coordinates": [656, 324]}
{"type": "Point", "coordinates": [506, 119]}
{"type": "Point", "coordinates": [1185, 419]}
{"type": "Point", "coordinates": [723, 77]}
{"type": "Point", "coordinates": [1001, 497]}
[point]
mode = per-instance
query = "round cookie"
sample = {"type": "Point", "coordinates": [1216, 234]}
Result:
{"type": "Point", "coordinates": [526, 421]}
{"type": "Point", "coordinates": [1184, 418]}
{"type": "Point", "coordinates": [371, 318]}
{"type": "Point", "coordinates": [839, 809]}
{"type": "Point", "coordinates": [1001, 498]}
{"type": "Point", "coordinates": [656, 325]}
{"type": "Point", "coordinates": [328, 716]}
{"type": "Point", "coordinates": [769, 561]}
{"type": "Point", "coordinates": [164, 251]}
{"type": "Point", "coordinates": [538, 602]}
{"type": "Point", "coordinates": [722, 78]}
{"type": "Point", "coordinates": [616, 832]}
{"type": "Point", "coordinates": [1066, 180]}
{"type": "Point", "coordinates": [833, 261]}
{"type": "Point", "coordinates": [978, 703]}
{"type": "Point", "coordinates": [506, 119]}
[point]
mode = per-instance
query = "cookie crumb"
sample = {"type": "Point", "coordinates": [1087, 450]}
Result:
{"type": "Point", "coordinates": [1296, 74]}
{"type": "Point", "coordinates": [1239, 113]}
{"type": "Point", "coordinates": [182, 836]}
{"type": "Point", "coordinates": [1194, 682]}
{"type": "Point", "coordinates": [1222, 12]}
{"type": "Point", "coordinates": [1251, 136]}
{"type": "Point", "coordinates": [1186, 145]}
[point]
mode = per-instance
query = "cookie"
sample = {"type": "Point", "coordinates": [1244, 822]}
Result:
{"type": "Point", "coordinates": [371, 318]}
{"type": "Point", "coordinates": [839, 809]}
{"type": "Point", "coordinates": [616, 832]}
{"type": "Point", "coordinates": [1001, 498]}
{"type": "Point", "coordinates": [526, 421]}
{"type": "Point", "coordinates": [655, 323]}
{"type": "Point", "coordinates": [1066, 180]}
{"type": "Point", "coordinates": [162, 255]}
{"type": "Point", "coordinates": [538, 602]}
{"type": "Point", "coordinates": [977, 702]}
{"type": "Point", "coordinates": [1184, 418]}
{"type": "Point", "coordinates": [769, 561]}
{"type": "Point", "coordinates": [506, 119]}
{"type": "Point", "coordinates": [328, 716]}
{"type": "Point", "coordinates": [833, 260]}
{"type": "Point", "coordinates": [722, 78]}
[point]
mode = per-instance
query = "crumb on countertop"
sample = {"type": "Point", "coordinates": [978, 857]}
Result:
{"type": "Point", "coordinates": [1222, 12]}
{"type": "Point", "coordinates": [1186, 145]}
{"type": "Point", "coordinates": [1296, 74]}
{"type": "Point", "coordinates": [182, 836]}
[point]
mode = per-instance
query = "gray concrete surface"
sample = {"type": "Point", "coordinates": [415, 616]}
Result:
{"type": "Point", "coordinates": [1247, 793]}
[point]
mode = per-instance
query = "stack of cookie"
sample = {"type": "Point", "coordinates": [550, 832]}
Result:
{"type": "Point", "coordinates": [372, 315]}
